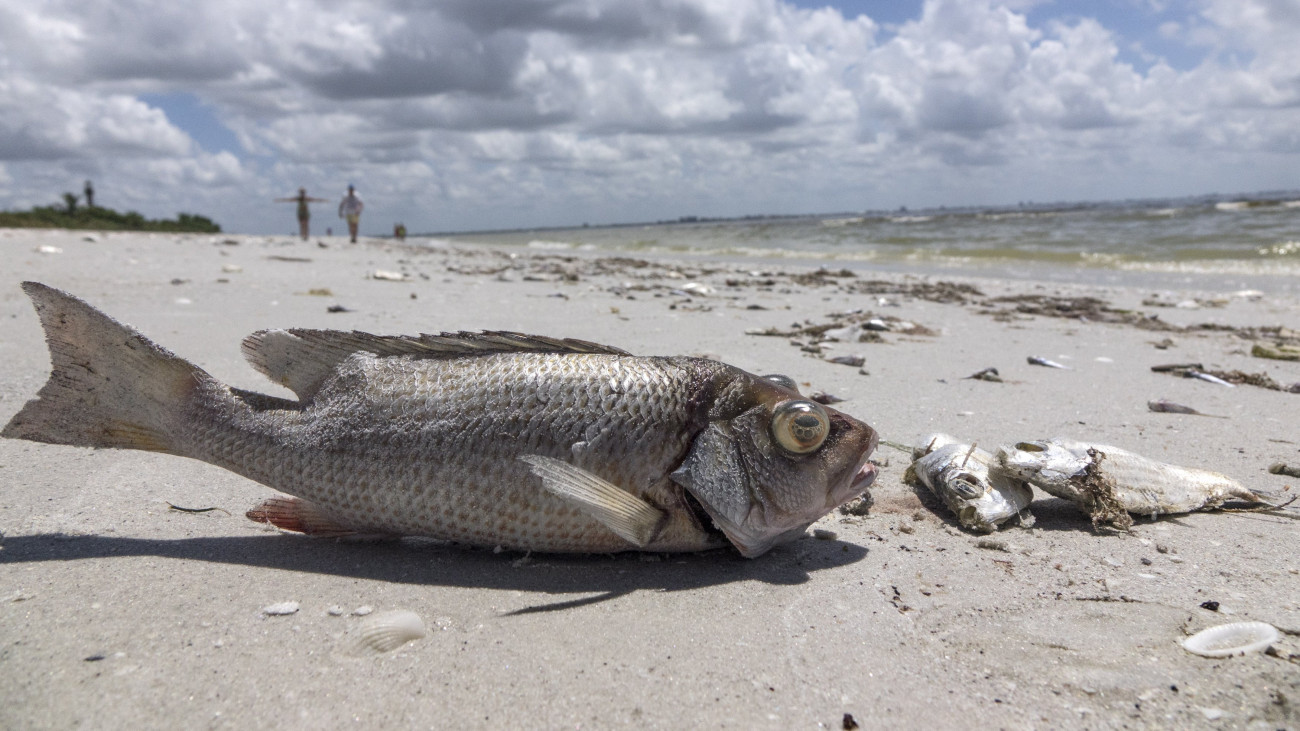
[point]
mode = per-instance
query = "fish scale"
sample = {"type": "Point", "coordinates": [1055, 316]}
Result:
{"type": "Point", "coordinates": [381, 475]}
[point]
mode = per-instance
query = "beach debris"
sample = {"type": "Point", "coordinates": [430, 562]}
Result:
{"type": "Point", "coordinates": [387, 631]}
{"type": "Point", "coordinates": [338, 308]}
{"type": "Point", "coordinates": [1210, 605]}
{"type": "Point", "coordinates": [1236, 638]}
{"type": "Point", "coordinates": [280, 609]}
{"type": "Point", "coordinates": [495, 431]}
{"type": "Point", "coordinates": [1276, 352]}
{"type": "Point", "coordinates": [1038, 361]}
{"type": "Point", "coordinates": [988, 374]}
{"type": "Point", "coordinates": [179, 509]}
{"type": "Point", "coordinates": [696, 288]}
{"type": "Point", "coordinates": [848, 723]}
{"type": "Point", "coordinates": [959, 474]}
{"type": "Point", "coordinates": [1223, 378]}
{"type": "Point", "coordinates": [1169, 407]}
{"type": "Point", "coordinates": [295, 259]}
{"type": "Point", "coordinates": [362, 610]}
{"type": "Point", "coordinates": [231, 268]}
{"type": "Point", "coordinates": [388, 276]}
{"type": "Point", "coordinates": [318, 292]}
{"type": "Point", "coordinates": [335, 611]}
{"type": "Point", "coordinates": [1108, 483]}
{"type": "Point", "coordinates": [1165, 344]}
{"type": "Point", "coordinates": [47, 249]}
{"type": "Point", "coordinates": [822, 397]}
{"type": "Point", "coordinates": [848, 360]}
{"type": "Point", "coordinates": [1282, 468]}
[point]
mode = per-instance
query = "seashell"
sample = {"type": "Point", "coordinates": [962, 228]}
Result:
{"type": "Point", "coordinates": [386, 631]}
{"type": "Point", "coordinates": [1226, 640]}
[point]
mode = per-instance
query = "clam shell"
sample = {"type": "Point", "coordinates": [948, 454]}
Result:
{"type": "Point", "coordinates": [1226, 640]}
{"type": "Point", "coordinates": [386, 631]}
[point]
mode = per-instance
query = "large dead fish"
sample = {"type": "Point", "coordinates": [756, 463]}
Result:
{"type": "Point", "coordinates": [484, 438]}
{"type": "Point", "coordinates": [1109, 483]}
{"type": "Point", "coordinates": [959, 474]}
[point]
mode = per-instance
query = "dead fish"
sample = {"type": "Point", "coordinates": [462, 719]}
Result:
{"type": "Point", "coordinates": [1169, 407]}
{"type": "Point", "coordinates": [1207, 378]}
{"type": "Point", "coordinates": [491, 439]}
{"type": "Point", "coordinates": [1109, 482]}
{"type": "Point", "coordinates": [1035, 360]}
{"type": "Point", "coordinates": [960, 475]}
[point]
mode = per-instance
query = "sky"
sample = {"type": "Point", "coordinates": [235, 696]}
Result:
{"type": "Point", "coordinates": [485, 114]}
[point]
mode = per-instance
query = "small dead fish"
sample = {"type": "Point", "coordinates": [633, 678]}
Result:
{"type": "Point", "coordinates": [1035, 360]}
{"type": "Point", "coordinates": [1169, 407]}
{"type": "Point", "coordinates": [1207, 378]}
{"type": "Point", "coordinates": [495, 438]}
{"type": "Point", "coordinates": [960, 475]}
{"type": "Point", "coordinates": [1109, 483]}
{"type": "Point", "coordinates": [988, 374]}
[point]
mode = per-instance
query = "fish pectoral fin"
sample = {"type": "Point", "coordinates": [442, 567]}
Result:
{"type": "Point", "coordinates": [299, 516]}
{"type": "Point", "coordinates": [632, 518]}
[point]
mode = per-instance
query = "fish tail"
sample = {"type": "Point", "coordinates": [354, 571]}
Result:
{"type": "Point", "coordinates": [109, 385]}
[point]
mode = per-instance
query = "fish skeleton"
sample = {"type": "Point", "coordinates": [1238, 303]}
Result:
{"type": "Point", "coordinates": [491, 439]}
{"type": "Point", "coordinates": [960, 475]}
{"type": "Point", "coordinates": [1109, 482]}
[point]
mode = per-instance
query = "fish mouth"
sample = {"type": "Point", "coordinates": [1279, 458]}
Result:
{"type": "Point", "coordinates": [864, 477]}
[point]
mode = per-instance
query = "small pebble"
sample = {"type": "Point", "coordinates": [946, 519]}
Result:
{"type": "Point", "coordinates": [363, 610]}
{"type": "Point", "coordinates": [281, 609]}
{"type": "Point", "coordinates": [335, 611]}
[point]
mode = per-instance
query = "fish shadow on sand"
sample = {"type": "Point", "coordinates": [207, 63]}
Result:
{"type": "Point", "coordinates": [437, 564]}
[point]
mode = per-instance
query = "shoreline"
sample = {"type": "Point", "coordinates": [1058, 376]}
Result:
{"type": "Point", "coordinates": [899, 618]}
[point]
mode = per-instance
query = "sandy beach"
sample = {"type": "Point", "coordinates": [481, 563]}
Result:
{"type": "Point", "coordinates": [117, 611]}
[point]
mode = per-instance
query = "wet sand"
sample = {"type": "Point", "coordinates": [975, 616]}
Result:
{"type": "Point", "coordinates": [117, 611]}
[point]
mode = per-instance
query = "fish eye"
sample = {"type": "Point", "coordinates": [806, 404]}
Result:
{"type": "Point", "coordinates": [782, 380]}
{"type": "Point", "coordinates": [800, 426]}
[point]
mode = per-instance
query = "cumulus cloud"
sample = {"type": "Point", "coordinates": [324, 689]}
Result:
{"type": "Point", "coordinates": [473, 113]}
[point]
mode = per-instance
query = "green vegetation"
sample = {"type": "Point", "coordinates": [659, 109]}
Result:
{"type": "Point", "coordinates": [70, 215]}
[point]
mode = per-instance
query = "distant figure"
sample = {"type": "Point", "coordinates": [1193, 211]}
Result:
{"type": "Point", "coordinates": [90, 195]}
{"type": "Point", "coordinates": [350, 208]}
{"type": "Point", "coordinates": [304, 213]}
{"type": "Point", "coordinates": [399, 231]}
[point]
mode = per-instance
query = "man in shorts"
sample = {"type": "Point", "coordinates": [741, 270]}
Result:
{"type": "Point", "coordinates": [350, 208]}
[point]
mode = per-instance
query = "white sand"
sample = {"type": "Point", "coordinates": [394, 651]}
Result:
{"type": "Point", "coordinates": [904, 621]}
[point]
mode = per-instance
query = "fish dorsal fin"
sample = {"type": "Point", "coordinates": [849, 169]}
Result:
{"type": "Point", "coordinates": [303, 359]}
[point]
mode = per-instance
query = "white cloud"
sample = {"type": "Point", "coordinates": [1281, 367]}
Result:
{"type": "Point", "coordinates": [509, 112]}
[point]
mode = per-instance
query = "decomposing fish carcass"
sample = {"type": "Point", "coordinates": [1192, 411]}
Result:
{"type": "Point", "coordinates": [492, 439]}
{"type": "Point", "coordinates": [960, 475]}
{"type": "Point", "coordinates": [1108, 483]}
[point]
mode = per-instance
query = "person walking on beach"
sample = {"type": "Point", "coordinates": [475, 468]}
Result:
{"type": "Point", "coordinates": [90, 195]}
{"type": "Point", "coordinates": [350, 208]}
{"type": "Point", "coordinates": [304, 213]}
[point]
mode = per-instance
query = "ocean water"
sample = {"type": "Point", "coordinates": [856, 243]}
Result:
{"type": "Point", "coordinates": [1211, 242]}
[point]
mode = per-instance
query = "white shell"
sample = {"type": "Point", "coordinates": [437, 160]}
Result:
{"type": "Point", "coordinates": [281, 609]}
{"type": "Point", "coordinates": [1226, 640]}
{"type": "Point", "coordinates": [387, 631]}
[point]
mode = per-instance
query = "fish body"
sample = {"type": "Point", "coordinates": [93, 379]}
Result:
{"type": "Point", "coordinates": [1110, 482]}
{"type": "Point", "coordinates": [491, 439]}
{"type": "Point", "coordinates": [961, 475]}
{"type": "Point", "coordinates": [1036, 360]}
